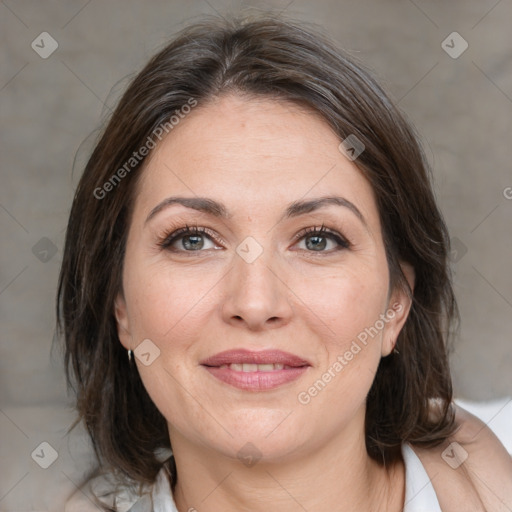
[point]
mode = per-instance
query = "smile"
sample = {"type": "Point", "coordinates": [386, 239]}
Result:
{"type": "Point", "coordinates": [255, 370]}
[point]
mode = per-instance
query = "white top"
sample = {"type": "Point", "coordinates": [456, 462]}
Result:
{"type": "Point", "coordinates": [419, 492]}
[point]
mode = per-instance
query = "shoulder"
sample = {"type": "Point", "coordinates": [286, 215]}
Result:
{"type": "Point", "coordinates": [488, 463]}
{"type": "Point", "coordinates": [472, 470]}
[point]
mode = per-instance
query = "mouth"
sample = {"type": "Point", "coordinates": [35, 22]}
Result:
{"type": "Point", "coordinates": [256, 371]}
{"type": "Point", "coordinates": [252, 367]}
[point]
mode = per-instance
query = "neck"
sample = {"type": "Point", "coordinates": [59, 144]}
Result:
{"type": "Point", "coordinates": [336, 476]}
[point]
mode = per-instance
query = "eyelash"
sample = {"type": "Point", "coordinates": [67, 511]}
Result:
{"type": "Point", "coordinates": [324, 232]}
{"type": "Point", "coordinates": [168, 239]}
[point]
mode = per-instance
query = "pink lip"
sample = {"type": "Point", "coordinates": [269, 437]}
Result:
{"type": "Point", "coordinates": [241, 356]}
{"type": "Point", "coordinates": [256, 381]}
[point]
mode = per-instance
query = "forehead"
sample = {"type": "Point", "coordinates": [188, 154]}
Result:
{"type": "Point", "coordinates": [252, 153]}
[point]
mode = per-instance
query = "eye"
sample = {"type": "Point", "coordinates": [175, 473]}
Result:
{"type": "Point", "coordinates": [188, 239]}
{"type": "Point", "coordinates": [318, 239]}
{"type": "Point", "coordinates": [196, 239]}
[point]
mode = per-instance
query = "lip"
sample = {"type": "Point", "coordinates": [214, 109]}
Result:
{"type": "Point", "coordinates": [258, 380]}
{"type": "Point", "coordinates": [241, 356]}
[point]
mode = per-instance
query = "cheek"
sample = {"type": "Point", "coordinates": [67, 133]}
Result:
{"type": "Point", "coordinates": [343, 303]}
{"type": "Point", "coordinates": [342, 309]}
{"type": "Point", "coordinates": [170, 309]}
{"type": "Point", "coordinates": [349, 308]}
{"type": "Point", "coordinates": [168, 305]}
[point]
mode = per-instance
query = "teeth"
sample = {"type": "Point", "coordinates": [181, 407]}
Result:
{"type": "Point", "coordinates": [265, 367]}
{"type": "Point", "coordinates": [248, 367]}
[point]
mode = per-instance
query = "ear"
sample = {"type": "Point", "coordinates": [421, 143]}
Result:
{"type": "Point", "coordinates": [122, 321]}
{"type": "Point", "coordinates": [399, 305]}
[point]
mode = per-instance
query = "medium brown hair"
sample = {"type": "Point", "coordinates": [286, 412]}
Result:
{"type": "Point", "coordinates": [289, 61]}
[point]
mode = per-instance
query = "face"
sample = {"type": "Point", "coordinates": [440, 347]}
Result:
{"type": "Point", "coordinates": [302, 290]}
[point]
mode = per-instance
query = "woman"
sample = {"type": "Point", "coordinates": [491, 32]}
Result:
{"type": "Point", "coordinates": [256, 278]}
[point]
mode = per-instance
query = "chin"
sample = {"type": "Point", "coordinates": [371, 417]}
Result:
{"type": "Point", "coordinates": [271, 437]}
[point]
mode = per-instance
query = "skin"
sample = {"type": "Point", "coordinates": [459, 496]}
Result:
{"type": "Point", "coordinates": [483, 482]}
{"type": "Point", "coordinates": [257, 156]}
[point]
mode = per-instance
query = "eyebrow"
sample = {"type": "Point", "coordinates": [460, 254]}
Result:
{"type": "Point", "coordinates": [217, 209]}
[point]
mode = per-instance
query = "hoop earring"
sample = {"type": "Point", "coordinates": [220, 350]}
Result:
{"type": "Point", "coordinates": [130, 355]}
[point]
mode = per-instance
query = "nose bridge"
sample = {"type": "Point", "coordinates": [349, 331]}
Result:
{"type": "Point", "coordinates": [256, 293]}
{"type": "Point", "coordinates": [253, 271]}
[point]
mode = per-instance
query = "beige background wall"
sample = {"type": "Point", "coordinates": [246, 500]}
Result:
{"type": "Point", "coordinates": [462, 107]}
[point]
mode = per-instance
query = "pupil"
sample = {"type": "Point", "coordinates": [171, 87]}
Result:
{"type": "Point", "coordinates": [197, 244]}
{"type": "Point", "coordinates": [316, 244]}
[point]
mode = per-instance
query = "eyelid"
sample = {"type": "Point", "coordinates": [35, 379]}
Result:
{"type": "Point", "coordinates": [171, 235]}
{"type": "Point", "coordinates": [328, 233]}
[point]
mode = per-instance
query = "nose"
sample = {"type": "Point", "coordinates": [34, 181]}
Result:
{"type": "Point", "coordinates": [256, 295]}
